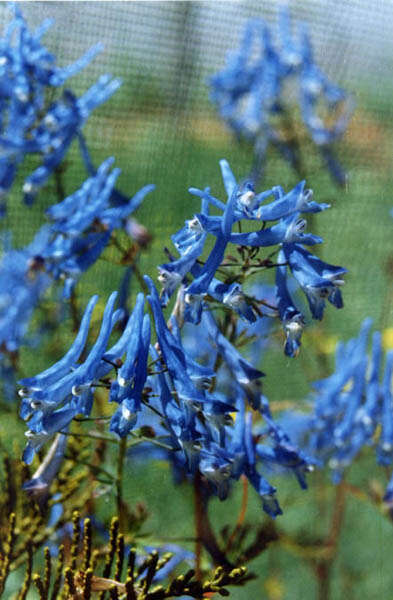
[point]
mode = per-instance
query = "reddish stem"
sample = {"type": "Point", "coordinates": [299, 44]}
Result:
{"type": "Point", "coordinates": [242, 514]}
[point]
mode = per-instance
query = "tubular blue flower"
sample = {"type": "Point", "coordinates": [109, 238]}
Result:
{"type": "Point", "coordinates": [53, 398]}
{"type": "Point", "coordinates": [23, 283]}
{"type": "Point", "coordinates": [201, 283]}
{"type": "Point", "coordinates": [245, 462]}
{"type": "Point", "coordinates": [82, 225]}
{"type": "Point", "coordinates": [131, 380]}
{"type": "Point", "coordinates": [288, 230]}
{"type": "Point", "coordinates": [179, 367]}
{"type": "Point", "coordinates": [244, 373]}
{"type": "Point", "coordinates": [69, 360]}
{"type": "Point", "coordinates": [59, 127]}
{"type": "Point", "coordinates": [39, 484]}
{"type": "Point", "coordinates": [318, 279]}
{"type": "Point", "coordinates": [291, 318]}
{"type": "Point", "coordinates": [284, 453]}
{"type": "Point", "coordinates": [47, 397]}
{"type": "Point", "coordinates": [249, 93]}
{"type": "Point", "coordinates": [27, 72]}
{"type": "Point", "coordinates": [352, 409]}
{"type": "Point", "coordinates": [50, 424]}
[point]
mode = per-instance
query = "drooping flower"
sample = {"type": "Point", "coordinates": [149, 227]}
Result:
{"type": "Point", "coordinates": [352, 408]}
{"type": "Point", "coordinates": [249, 93]}
{"type": "Point", "coordinates": [28, 72]}
{"type": "Point", "coordinates": [318, 280]}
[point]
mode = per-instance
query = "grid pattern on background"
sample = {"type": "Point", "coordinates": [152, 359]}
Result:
{"type": "Point", "coordinates": [162, 129]}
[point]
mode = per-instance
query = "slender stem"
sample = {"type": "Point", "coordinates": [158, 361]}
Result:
{"type": "Point", "coordinates": [119, 482]}
{"type": "Point", "coordinates": [92, 436]}
{"type": "Point", "coordinates": [60, 191]}
{"type": "Point", "coordinates": [140, 279]}
{"type": "Point", "coordinates": [323, 567]}
{"type": "Point", "coordinates": [198, 519]}
{"type": "Point", "coordinates": [338, 516]}
{"type": "Point", "coordinates": [74, 312]}
{"type": "Point", "coordinates": [242, 514]}
{"type": "Point", "coordinates": [205, 537]}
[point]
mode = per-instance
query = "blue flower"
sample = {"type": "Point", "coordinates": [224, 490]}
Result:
{"type": "Point", "coordinates": [318, 279]}
{"type": "Point", "coordinates": [39, 484]}
{"type": "Point", "coordinates": [27, 72]}
{"type": "Point", "coordinates": [249, 94]}
{"type": "Point", "coordinates": [82, 225]}
{"type": "Point", "coordinates": [23, 283]}
{"type": "Point", "coordinates": [51, 399]}
{"type": "Point", "coordinates": [291, 318]}
{"type": "Point", "coordinates": [352, 408]}
{"type": "Point", "coordinates": [313, 87]}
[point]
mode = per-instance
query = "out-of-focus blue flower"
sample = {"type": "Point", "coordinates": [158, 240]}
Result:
{"type": "Point", "coordinates": [314, 86]}
{"type": "Point", "coordinates": [249, 93]}
{"type": "Point", "coordinates": [27, 72]}
{"type": "Point", "coordinates": [39, 484]}
{"type": "Point", "coordinates": [23, 282]}
{"type": "Point", "coordinates": [82, 225]}
{"type": "Point", "coordinates": [53, 136]}
{"type": "Point", "coordinates": [241, 370]}
{"type": "Point", "coordinates": [352, 408]}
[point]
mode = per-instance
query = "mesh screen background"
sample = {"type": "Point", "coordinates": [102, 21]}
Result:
{"type": "Point", "coordinates": [162, 129]}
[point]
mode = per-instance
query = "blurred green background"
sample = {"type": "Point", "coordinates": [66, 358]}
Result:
{"type": "Point", "coordinates": [162, 129]}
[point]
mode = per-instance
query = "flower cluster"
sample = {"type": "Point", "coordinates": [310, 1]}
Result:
{"type": "Point", "coordinates": [81, 228]}
{"type": "Point", "coordinates": [249, 92]}
{"type": "Point", "coordinates": [195, 423]}
{"type": "Point", "coordinates": [317, 279]}
{"type": "Point", "coordinates": [28, 72]}
{"type": "Point", "coordinates": [352, 408]}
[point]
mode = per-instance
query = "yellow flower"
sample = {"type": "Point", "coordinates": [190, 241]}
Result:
{"type": "Point", "coordinates": [387, 338]}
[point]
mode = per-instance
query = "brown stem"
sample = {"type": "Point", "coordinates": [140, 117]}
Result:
{"type": "Point", "coordinates": [205, 537]}
{"type": "Point", "coordinates": [337, 517]}
{"type": "Point", "coordinates": [324, 566]}
{"type": "Point", "coordinates": [119, 483]}
{"type": "Point", "coordinates": [242, 514]}
{"type": "Point", "coordinates": [74, 312]}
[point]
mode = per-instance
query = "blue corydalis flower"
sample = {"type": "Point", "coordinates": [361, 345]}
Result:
{"type": "Point", "coordinates": [318, 280]}
{"type": "Point", "coordinates": [82, 225]}
{"type": "Point", "coordinates": [291, 318]}
{"type": "Point", "coordinates": [51, 399]}
{"type": "Point", "coordinates": [242, 204]}
{"type": "Point", "coordinates": [38, 485]}
{"type": "Point", "coordinates": [249, 94]}
{"type": "Point", "coordinates": [131, 376]}
{"type": "Point", "coordinates": [23, 282]}
{"type": "Point", "coordinates": [27, 72]}
{"type": "Point", "coordinates": [59, 128]}
{"type": "Point", "coordinates": [352, 407]}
